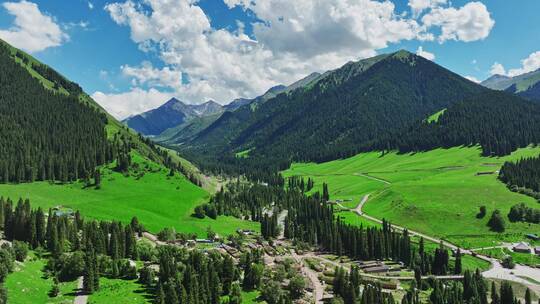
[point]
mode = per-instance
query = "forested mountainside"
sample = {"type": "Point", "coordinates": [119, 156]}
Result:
{"type": "Point", "coordinates": [498, 121]}
{"type": "Point", "coordinates": [526, 85]}
{"type": "Point", "coordinates": [50, 129]}
{"type": "Point", "coordinates": [335, 115]}
{"type": "Point", "coordinates": [46, 134]}
{"type": "Point", "coordinates": [171, 114]}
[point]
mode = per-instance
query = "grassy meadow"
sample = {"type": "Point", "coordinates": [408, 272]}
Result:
{"type": "Point", "coordinates": [437, 192]}
{"type": "Point", "coordinates": [158, 200]}
{"type": "Point", "coordinates": [119, 291]}
{"type": "Point", "coordinates": [27, 285]}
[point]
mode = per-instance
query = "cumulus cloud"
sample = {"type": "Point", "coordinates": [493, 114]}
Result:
{"type": "Point", "coordinates": [420, 52]}
{"type": "Point", "coordinates": [134, 101]}
{"type": "Point", "coordinates": [32, 30]}
{"type": "Point", "coordinates": [418, 6]}
{"type": "Point", "coordinates": [497, 69]}
{"type": "Point", "coordinates": [290, 39]}
{"type": "Point", "coordinates": [469, 23]}
{"type": "Point", "coordinates": [529, 64]}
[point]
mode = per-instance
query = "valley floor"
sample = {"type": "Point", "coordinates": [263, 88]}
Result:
{"type": "Point", "coordinates": [437, 193]}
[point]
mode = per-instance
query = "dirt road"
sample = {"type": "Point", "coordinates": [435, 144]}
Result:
{"type": "Point", "coordinates": [80, 298]}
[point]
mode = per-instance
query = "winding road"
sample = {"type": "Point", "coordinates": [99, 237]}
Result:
{"type": "Point", "coordinates": [527, 275]}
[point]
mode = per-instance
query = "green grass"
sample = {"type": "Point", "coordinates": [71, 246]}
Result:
{"type": "Point", "coordinates": [435, 117]}
{"type": "Point", "coordinates": [119, 291]}
{"type": "Point", "coordinates": [517, 257]}
{"type": "Point", "coordinates": [243, 154]}
{"type": "Point", "coordinates": [471, 263]}
{"type": "Point", "coordinates": [27, 285]}
{"type": "Point", "coordinates": [438, 192]}
{"type": "Point", "coordinates": [251, 297]}
{"type": "Point", "coordinates": [156, 199]}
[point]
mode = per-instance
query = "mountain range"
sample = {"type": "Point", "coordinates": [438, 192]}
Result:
{"type": "Point", "coordinates": [526, 85]}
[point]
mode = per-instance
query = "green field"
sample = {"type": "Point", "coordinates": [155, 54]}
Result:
{"type": "Point", "coordinates": [155, 198]}
{"type": "Point", "coordinates": [437, 192]}
{"type": "Point", "coordinates": [27, 285]}
{"type": "Point", "coordinates": [119, 291]}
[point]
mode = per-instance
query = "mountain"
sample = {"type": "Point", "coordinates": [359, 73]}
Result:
{"type": "Point", "coordinates": [526, 85]}
{"type": "Point", "coordinates": [171, 114]}
{"type": "Point", "coordinates": [192, 128]}
{"type": "Point", "coordinates": [50, 129]}
{"type": "Point", "coordinates": [488, 120]}
{"type": "Point", "coordinates": [335, 114]}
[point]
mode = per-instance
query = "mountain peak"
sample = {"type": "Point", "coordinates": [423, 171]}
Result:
{"type": "Point", "coordinates": [172, 101]}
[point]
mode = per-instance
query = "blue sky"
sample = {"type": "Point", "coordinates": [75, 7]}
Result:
{"type": "Point", "coordinates": [132, 55]}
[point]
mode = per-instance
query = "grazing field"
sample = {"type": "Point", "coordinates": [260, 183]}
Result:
{"type": "Point", "coordinates": [437, 192]}
{"type": "Point", "coordinates": [157, 199]}
{"type": "Point", "coordinates": [119, 291]}
{"type": "Point", "coordinates": [27, 285]}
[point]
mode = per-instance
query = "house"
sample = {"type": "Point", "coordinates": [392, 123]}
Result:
{"type": "Point", "coordinates": [522, 247]}
{"type": "Point", "coordinates": [532, 236]}
{"type": "Point", "coordinates": [537, 250]}
{"type": "Point", "coordinates": [377, 269]}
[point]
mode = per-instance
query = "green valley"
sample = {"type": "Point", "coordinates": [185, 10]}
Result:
{"type": "Point", "coordinates": [157, 199]}
{"type": "Point", "coordinates": [437, 192]}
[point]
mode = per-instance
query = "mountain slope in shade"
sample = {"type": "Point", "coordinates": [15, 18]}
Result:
{"type": "Point", "coordinates": [526, 85]}
{"type": "Point", "coordinates": [171, 114]}
{"type": "Point", "coordinates": [336, 113]}
{"type": "Point", "coordinates": [50, 129]}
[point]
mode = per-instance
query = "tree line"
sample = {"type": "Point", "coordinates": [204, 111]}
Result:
{"type": "Point", "coordinates": [522, 176]}
{"type": "Point", "coordinates": [488, 120]}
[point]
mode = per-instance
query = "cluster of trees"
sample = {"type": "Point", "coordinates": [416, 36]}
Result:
{"type": "Point", "coordinates": [496, 221]}
{"type": "Point", "coordinates": [347, 289]}
{"type": "Point", "coordinates": [45, 135]}
{"type": "Point", "coordinates": [58, 80]}
{"type": "Point", "coordinates": [311, 220]}
{"type": "Point", "coordinates": [487, 119]}
{"type": "Point", "coordinates": [269, 226]}
{"type": "Point", "coordinates": [522, 213]}
{"type": "Point", "coordinates": [94, 249]}
{"type": "Point", "coordinates": [7, 263]}
{"type": "Point", "coordinates": [300, 183]}
{"type": "Point", "coordinates": [522, 175]}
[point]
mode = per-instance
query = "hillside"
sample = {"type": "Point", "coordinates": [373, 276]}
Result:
{"type": "Point", "coordinates": [526, 85]}
{"type": "Point", "coordinates": [335, 114]}
{"type": "Point", "coordinates": [56, 143]}
{"type": "Point", "coordinates": [488, 119]}
{"type": "Point", "coordinates": [172, 114]}
{"type": "Point", "coordinates": [438, 192]}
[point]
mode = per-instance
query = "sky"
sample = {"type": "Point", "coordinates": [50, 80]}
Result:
{"type": "Point", "coordinates": [133, 55]}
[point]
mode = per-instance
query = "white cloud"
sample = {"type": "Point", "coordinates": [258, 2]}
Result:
{"type": "Point", "coordinates": [418, 6]}
{"type": "Point", "coordinates": [90, 5]}
{"type": "Point", "coordinates": [473, 79]}
{"type": "Point", "coordinates": [32, 30]}
{"type": "Point", "coordinates": [134, 101]}
{"type": "Point", "coordinates": [420, 52]}
{"type": "Point", "coordinates": [469, 23]}
{"type": "Point", "coordinates": [497, 69]}
{"type": "Point", "coordinates": [290, 40]}
{"type": "Point", "coordinates": [147, 74]}
{"type": "Point", "coordinates": [529, 64]}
